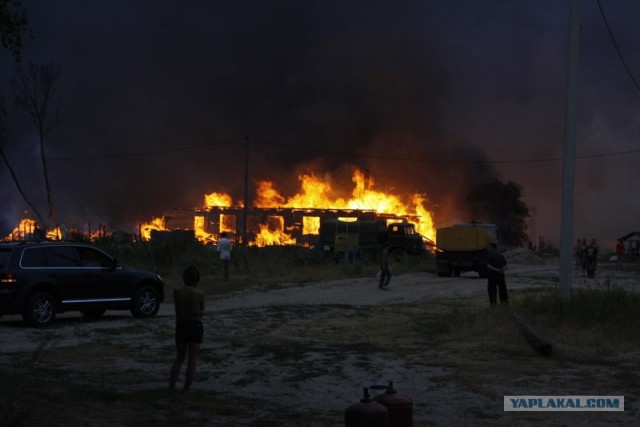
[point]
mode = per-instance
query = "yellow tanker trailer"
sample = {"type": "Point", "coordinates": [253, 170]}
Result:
{"type": "Point", "coordinates": [463, 247]}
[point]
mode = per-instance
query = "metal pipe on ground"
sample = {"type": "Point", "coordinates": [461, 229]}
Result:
{"type": "Point", "coordinates": [535, 340]}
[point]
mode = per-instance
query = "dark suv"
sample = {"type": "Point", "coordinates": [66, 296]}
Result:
{"type": "Point", "coordinates": [41, 279]}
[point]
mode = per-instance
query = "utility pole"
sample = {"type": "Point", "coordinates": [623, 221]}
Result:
{"type": "Point", "coordinates": [569, 156]}
{"type": "Point", "coordinates": [245, 215]}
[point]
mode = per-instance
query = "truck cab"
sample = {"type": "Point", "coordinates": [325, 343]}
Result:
{"type": "Point", "coordinates": [339, 236]}
{"type": "Point", "coordinates": [403, 236]}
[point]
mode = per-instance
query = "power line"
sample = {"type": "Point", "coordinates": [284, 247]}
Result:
{"type": "Point", "coordinates": [443, 161]}
{"type": "Point", "coordinates": [334, 153]}
{"type": "Point", "coordinates": [615, 44]}
{"type": "Point", "coordinates": [146, 153]}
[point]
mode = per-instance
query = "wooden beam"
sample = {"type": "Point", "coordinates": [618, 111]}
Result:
{"type": "Point", "coordinates": [533, 338]}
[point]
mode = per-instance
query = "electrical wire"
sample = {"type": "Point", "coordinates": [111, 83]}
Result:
{"type": "Point", "coordinates": [146, 153]}
{"type": "Point", "coordinates": [335, 153]}
{"type": "Point", "coordinates": [371, 156]}
{"type": "Point", "coordinates": [615, 45]}
{"type": "Point", "coordinates": [442, 161]}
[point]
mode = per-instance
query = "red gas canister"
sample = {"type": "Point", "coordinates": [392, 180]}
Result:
{"type": "Point", "coordinates": [367, 413]}
{"type": "Point", "coordinates": [400, 407]}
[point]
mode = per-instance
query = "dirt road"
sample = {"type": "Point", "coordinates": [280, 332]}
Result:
{"type": "Point", "coordinates": [407, 288]}
{"type": "Point", "coordinates": [288, 357]}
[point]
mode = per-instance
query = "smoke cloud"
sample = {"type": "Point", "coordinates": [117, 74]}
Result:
{"type": "Point", "coordinates": [156, 99]}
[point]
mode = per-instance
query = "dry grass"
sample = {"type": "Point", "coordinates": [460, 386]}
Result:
{"type": "Point", "coordinates": [469, 350]}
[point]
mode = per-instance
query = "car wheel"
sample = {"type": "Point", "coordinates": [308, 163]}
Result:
{"type": "Point", "coordinates": [94, 313]}
{"type": "Point", "coordinates": [40, 310]}
{"type": "Point", "coordinates": [146, 303]}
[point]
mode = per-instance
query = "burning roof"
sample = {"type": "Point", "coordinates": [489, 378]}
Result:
{"type": "Point", "coordinates": [315, 197]}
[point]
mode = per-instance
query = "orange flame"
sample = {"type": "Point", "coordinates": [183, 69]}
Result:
{"type": "Point", "coordinates": [272, 233]}
{"type": "Point", "coordinates": [25, 228]}
{"type": "Point", "coordinates": [55, 234]}
{"type": "Point", "coordinates": [217, 200]}
{"type": "Point", "coordinates": [267, 196]}
{"type": "Point", "coordinates": [155, 224]}
{"type": "Point", "coordinates": [315, 193]}
{"type": "Point", "coordinates": [310, 225]}
{"type": "Point", "coordinates": [199, 228]}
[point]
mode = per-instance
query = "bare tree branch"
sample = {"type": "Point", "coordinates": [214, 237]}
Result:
{"type": "Point", "coordinates": [34, 90]}
{"type": "Point", "coordinates": [16, 181]}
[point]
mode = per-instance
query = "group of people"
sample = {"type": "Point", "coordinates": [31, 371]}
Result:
{"type": "Point", "coordinates": [189, 301]}
{"type": "Point", "coordinates": [586, 257]}
{"type": "Point", "coordinates": [189, 304]}
{"type": "Point", "coordinates": [496, 264]}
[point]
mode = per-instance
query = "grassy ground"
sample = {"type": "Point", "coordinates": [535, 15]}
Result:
{"type": "Point", "coordinates": [479, 348]}
{"type": "Point", "coordinates": [468, 350]}
{"type": "Point", "coordinates": [257, 267]}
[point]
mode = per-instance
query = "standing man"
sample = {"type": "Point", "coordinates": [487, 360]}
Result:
{"type": "Point", "coordinates": [583, 256]}
{"type": "Point", "coordinates": [620, 252]}
{"type": "Point", "coordinates": [496, 283]}
{"type": "Point", "coordinates": [224, 247]}
{"type": "Point", "coordinates": [591, 258]}
{"type": "Point", "coordinates": [189, 307]}
{"type": "Point", "coordinates": [385, 270]}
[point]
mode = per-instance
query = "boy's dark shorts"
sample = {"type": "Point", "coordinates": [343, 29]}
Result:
{"type": "Point", "coordinates": [189, 331]}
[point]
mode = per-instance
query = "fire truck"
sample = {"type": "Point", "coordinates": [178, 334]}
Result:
{"type": "Point", "coordinates": [338, 237]}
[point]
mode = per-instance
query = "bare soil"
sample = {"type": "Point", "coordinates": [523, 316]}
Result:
{"type": "Point", "coordinates": [301, 354]}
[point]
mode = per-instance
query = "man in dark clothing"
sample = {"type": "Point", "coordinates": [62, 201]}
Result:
{"type": "Point", "coordinates": [591, 258]}
{"type": "Point", "coordinates": [620, 252]}
{"type": "Point", "coordinates": [385, 270]}
{"type": "Point", "coordinates": [189, 307]}
{"type": "Point", "coordinates": [495, 275]}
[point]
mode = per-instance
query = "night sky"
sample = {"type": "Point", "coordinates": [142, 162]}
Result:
{"type": "Point", "coordinates": [156, 97]}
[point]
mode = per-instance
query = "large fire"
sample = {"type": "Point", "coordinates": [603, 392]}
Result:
{"type": "Point", "coordinates": [315, 193]}
{"type": "Point", "coordinates": [157, 224]}
{"type": "Point", "coordinates": [27, 227]}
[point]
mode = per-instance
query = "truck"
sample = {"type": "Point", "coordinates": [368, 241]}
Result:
{"type": "Point", "coordinates": [338, 237]}
{"type": "Point", "coordinates": [463, 247]}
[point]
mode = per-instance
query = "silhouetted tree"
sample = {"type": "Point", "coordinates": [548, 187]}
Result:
{"type": "Point", "coordinates": [501, 203]}
{"type": "Point", "coordinates": [13, 22]}
{"type": "Point", "coordinates": [34, 91]}
{"type": "Point", "coordinates": [5, 160]}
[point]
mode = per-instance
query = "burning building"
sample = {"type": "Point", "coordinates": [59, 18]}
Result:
{"type": "Point", "coordinates": [274, 219]}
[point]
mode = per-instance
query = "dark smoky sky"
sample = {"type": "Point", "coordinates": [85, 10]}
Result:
{"type": "Point", "coordinates": [156, 97]}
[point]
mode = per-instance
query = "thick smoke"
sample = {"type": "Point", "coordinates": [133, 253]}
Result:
{"type": "Point", "coordinates": [422, 94]}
